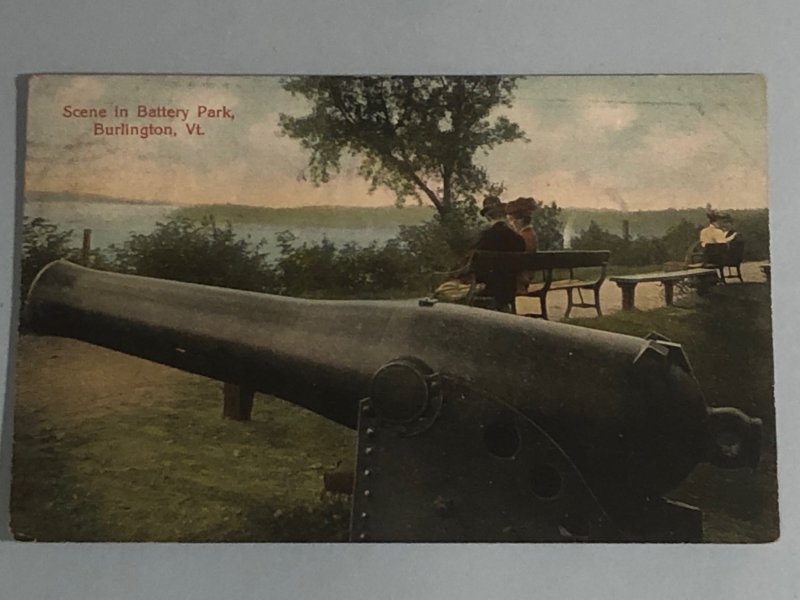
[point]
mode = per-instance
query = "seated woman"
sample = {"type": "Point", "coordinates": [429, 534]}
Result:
{"type": "Point", "coordinates": [520, 211]}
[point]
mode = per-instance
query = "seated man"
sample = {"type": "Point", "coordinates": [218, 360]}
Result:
{"type": "Point", "coordinates": [499, 237]}
{"type": "Point", "coordinates": [714, 233]}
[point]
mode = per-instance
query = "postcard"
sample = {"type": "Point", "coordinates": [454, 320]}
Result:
{"type": "Point", "coordinates": [395, 309]}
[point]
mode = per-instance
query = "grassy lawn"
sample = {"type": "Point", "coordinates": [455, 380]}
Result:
{"type": "Point", "coordinates": [101, 460]}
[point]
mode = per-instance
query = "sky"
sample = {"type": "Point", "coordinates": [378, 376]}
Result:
{"type": "Point", "coordinates": [620, 142]}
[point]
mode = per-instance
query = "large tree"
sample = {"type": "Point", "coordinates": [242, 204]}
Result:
{"type": "Point", "coordinates": [417, 136]}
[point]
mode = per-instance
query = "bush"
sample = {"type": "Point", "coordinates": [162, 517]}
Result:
{"type": "Point", "coordinates": [185, 250]}
{"type": "Point", "coordinates": [42, 243]}
{"type": "Point", "coordinates": [753, 230]}
{"type": "Point", "coordinates": [639, 251]}
{"type": "Point", "coordinates": [320, 268]}
{"type": "Point", "coordinates": [440, 244]}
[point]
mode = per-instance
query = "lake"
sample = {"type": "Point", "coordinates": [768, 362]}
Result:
{"type": "Point", "coordinates": [113, 223]}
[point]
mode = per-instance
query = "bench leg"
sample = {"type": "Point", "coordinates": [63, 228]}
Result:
{"type": "Point", "coordinates": [543, 301]}
{"type": "Point", "coordinates": [739, 273]}
{"type": "Point", "coordinates": [597, 301]}
{"type": "Point", "coordinates": [628, 295]}
{"type": "Point", "coordinates": [569, 303]}
{"type": "Point", "coordinates": [668, 295]}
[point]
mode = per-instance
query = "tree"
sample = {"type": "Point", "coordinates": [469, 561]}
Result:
{"type": "Point", "coordinates": [548, 227]}
{"type": "Point", "coordinates": [416, 136]}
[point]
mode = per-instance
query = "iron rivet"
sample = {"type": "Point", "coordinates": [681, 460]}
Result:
{"type": "Point", "coordinates": [364, 515]}
{"type": "Point", "coordinates": [367, 472]}
{"type": "Point", "coordinates": [368, 450]}
{"type": "Point", "coordinates": [362, 536]}
{"type": "Point", "coordinates": [367, 493]}
{"type": "Point", "coordinates": [370, 431]}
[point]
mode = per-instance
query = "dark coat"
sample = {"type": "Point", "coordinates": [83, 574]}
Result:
{"type": "Point", "coordinates": [502, 286]}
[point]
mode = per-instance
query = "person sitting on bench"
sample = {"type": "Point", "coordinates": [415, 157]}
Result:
{"type": "Point", "coordinates": [520, 211]}
{"type": "Point", "coordinates": [499, 237]}
{"type": "Point", "coordinates": [714, 233]}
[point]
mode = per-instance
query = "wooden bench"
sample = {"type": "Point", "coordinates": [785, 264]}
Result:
{"type": "Point", "coordinates": [726, 258]}
{"type": "Point", "coordinates": [628, 283]}
{"type": "Point", "coordinates": [483, 264]}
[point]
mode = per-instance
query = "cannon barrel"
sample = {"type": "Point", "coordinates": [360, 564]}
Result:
{"type": "Point", "coordinates": [627, 412]}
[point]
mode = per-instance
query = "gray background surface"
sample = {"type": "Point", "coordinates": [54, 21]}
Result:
{"type": "Point", "coordinates": [385, 36]}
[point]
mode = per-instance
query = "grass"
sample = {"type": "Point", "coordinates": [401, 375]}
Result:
{"type": "Point", "coordinates": [164, 466]}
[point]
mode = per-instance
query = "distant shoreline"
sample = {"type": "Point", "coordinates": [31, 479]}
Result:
{"type": "Point", "coordinates": [78, 198]}
{"type": "Point", "coordinates": [640, 223]}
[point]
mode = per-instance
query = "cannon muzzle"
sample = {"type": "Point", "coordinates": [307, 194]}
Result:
{"type": "Point", "coordinates": [473, 425]}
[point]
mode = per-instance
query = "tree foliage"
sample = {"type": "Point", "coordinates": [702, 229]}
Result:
{"type": "Point", "coordinates": [547, 225]}
{"type": "Point", "coordinates": [416, 136]}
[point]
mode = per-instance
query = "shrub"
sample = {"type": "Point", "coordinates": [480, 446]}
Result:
{"type": "Point", "coordinates": [195, 252]}
{"type": "Point", "coordinates": [42, 243]}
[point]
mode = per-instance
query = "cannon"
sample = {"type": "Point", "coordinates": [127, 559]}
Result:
{"type": "Point", "coordinates": [472, 425]}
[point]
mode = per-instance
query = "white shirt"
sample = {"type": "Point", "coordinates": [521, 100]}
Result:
{"type": "Point", "coordinates": [714, 235]}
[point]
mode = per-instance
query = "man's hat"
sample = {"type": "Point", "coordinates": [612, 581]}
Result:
{"type": "Point", "coordinates": [491, 204]}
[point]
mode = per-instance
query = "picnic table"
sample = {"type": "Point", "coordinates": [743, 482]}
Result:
{"type": "Point", "coordinates": [628, 283]}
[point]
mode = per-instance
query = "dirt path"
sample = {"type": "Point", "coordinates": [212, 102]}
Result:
{"type": "Point", "coordinates": [648, 297]}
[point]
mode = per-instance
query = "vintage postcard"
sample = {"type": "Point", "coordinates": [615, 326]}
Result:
{"type": "Point", "coordinates": [412, 309]}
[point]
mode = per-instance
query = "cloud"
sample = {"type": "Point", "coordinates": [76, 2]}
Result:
{"type": "Point", "coordinates": [673, 149]}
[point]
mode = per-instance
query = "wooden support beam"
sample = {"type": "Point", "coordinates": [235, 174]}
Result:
{"type": "Point", "coordinates": [238, 402]}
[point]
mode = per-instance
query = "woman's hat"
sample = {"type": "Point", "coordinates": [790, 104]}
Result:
{"type": "Point", "coordinates": [521, 206]}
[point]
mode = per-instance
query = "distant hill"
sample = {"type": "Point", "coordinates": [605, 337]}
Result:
{"type": "Point", "coordinates": [311, 216]}
{"type": "Point", "coordinates": [38, 196]}
{"type": "Point", "coordinates": [646, 223]}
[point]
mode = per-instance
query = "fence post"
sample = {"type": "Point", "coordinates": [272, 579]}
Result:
{"type": "Point", "coordinates": [87, 247]}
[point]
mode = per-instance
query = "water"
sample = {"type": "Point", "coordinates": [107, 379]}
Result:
{"type": "Point", "coordinates": [113, 223]}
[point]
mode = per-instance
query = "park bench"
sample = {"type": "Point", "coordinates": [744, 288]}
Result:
{"type": "Point", "coordinates": [628, 283]}
{"type": "Point", "coordinates": [726, 258]}
{"type": "Point", "coordinates": [546, 265]}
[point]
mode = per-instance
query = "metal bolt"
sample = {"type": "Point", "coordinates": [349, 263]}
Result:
{"type": "Point", "coordinates": [362, 536]}
{"type": "Point", "coordinates": [364, 515]}
{"type": "Point", "coordinates": [367, 472]}
{"type": "Point", "coordinates": [370, 431]}
{"type": "Point", "coordinates": [368, 450]}
{"type": "Point", "coordinates": [367, 493]}
{"type": "Point", "coordinates": [365, 407]}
